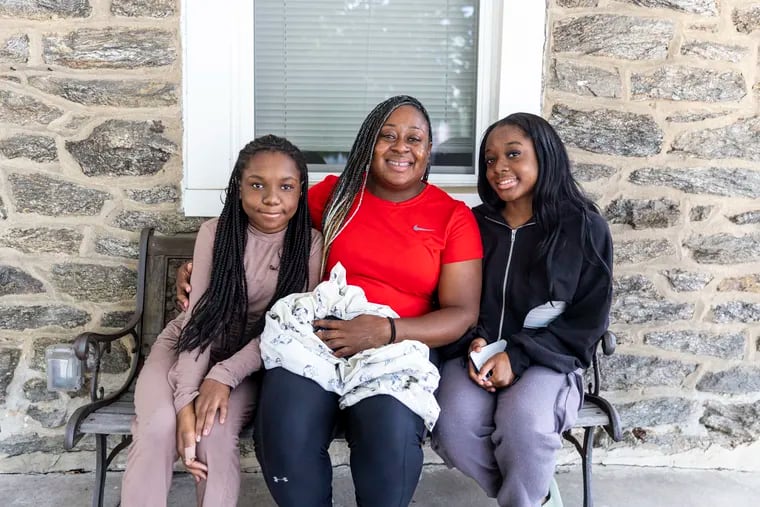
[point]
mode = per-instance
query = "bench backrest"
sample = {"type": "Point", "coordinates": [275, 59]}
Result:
{"type": "Point", "coordinates": [160, 256]}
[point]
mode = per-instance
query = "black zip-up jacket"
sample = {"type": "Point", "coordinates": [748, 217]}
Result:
{"type": "Point", "coordinates": [514, 284]}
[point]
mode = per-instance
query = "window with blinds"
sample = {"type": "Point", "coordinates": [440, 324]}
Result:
{"type": "Point", "coordinates": [321, 65]}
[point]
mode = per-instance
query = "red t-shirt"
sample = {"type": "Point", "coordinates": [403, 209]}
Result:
{"type": "Point", "coordinates": [394, 251]}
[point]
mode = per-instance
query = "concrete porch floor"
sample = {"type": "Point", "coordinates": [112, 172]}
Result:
{"type": "Point", "coordinates": [614, 486]}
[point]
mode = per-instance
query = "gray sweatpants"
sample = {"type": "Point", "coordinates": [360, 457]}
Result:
{"type": "Point", "coordinates": [153, 452]}
{"type": "Point", "coordinates": [507, 441]}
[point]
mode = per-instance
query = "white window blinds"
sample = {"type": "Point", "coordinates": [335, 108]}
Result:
{"type": "Point", "coordinates": [321, 65]}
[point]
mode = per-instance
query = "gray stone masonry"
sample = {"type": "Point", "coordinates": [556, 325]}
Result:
{"type": "Point", "coordinates": [657, 102]}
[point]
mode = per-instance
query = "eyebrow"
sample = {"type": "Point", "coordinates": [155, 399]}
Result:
{"type": "Point", "coordinates": [394, 125]}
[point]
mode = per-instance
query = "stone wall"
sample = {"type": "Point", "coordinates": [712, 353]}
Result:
{"type": "Point", "coordinates": [90, 133]}
{"type": "Point", "coordinates": [659, 104]}
{"type": "Point", "coordinates": [658, 101]}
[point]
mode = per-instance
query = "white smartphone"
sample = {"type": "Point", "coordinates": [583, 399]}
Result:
{"type": "Point", "coordinates": [479, 358]}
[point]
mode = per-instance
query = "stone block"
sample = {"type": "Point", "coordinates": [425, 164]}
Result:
{"type": "Point", "coordinates": [592, 172]}
{"type": "Point", "coordinates": [661, 440]}
{"type": "Point", "coordinates": [116, 319]}
{"type": "Point", "coordinates": [692, 116]}
{"type": "Point", "coordinates": [748, 283]}
{"type": "Point", "coordinates": [724, 248]}
{"type": "Point", "coordinates": [625, 372]}
{"type": "Point", "coordinates": [689, 84]}
{"type": "Point", "coordinates": [15, 49]}
{"type": "Point", "coordinates": [636, 301]}
{"type": "Point", "coordinates": [687, 281]}
{"type": "Point", "coordinates": [3, 211]}
{"type": "Point", "coordinates": [608, 132]}
{"type": "Point", "coordinates": [706, 7]}
{"type": "Point", "coordinates": [38, 193]}
{"type": "Point", "coordinates": [109, 92]}
{"type": "Point", "coordinates": [36, 9]}
{"type": "Point", "coordinates": [35, 390]}
{"type": "Point", "coordinates": [94, 282]}
{"type": "Point", "coordinates": [643, 214]}
{"type": "Point", "coordinates": [42, 240]}
{"type": "Point", "coordinates": [35, 148]}
{"type": "Point", "coordinates": [750, 217]}
{"type": "Point", "coordinates": [736, 311]}
{"type": "Point", "coordinates": [19, 318]}
{"type": "Point", "coordinates": [156, 195]}
{"type": "Point", "coordinates": [123, 148]}
{"type": "Point", "coordinates": [17, 281]}
{"type": "Point", "coordinates": [117, 247]}
{"type": "Point", "coordinates": [738, 140]}
{"type": "Point", "coordinates": [166, 223]}
{"type": "Point", "coordinates": [577, 3]}
{"type": "Point", "coordinates": [736, 380]}
{"type": "Point", "coordinates": [714, 51]}
{"type": "Point", "coordinates": [48, 418]}
{"type": "Point", "coordinates": [627, 37]}
{"type": "Point", "coordinates": [655, 412]}
{"type": "Point", "coordinates": [584, 80]}
{"type": "Point", "coordinates": [723, 345]}
{"type": "Point", "coordinates": [642, 250]}
{"type": "Point", "coordinates": [26, 443]}
{"type": "Point", "coordinates": [746, 20]}
{"type": "Point", "coordinates": [702, 180]}
{"type": "Point", "coordinates": [25, 110]}
{"type": "Point", "coordinates": [733, 425]}
{"type": "Point", "coordinates": [700, 213]}
{"type": "Point", "coordinates": [144, 8]}
{"type": "Point", "coordinates": [8, 362]}
{"type": "Point", "coordinates": [110, 48]}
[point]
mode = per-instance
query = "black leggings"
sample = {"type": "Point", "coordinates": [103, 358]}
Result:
{"type": "Point", "coordinates": [295, 423]}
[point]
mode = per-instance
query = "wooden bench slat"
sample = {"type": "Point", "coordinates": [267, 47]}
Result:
{"type": "Point", "coordinates": [110, 424]}
{"type": "Point", "coordinates": [116, 418]}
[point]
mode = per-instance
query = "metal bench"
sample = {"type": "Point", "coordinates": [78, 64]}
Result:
{"type": "Point", "coordinates": [160, 256]}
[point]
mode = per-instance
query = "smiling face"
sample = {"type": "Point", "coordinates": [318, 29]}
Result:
{"type": "Point", "coordinates": [401, 155]}
{"type": "Point", "coordinates": [270, 186]}
{"type": "Point", "coordinates": [511, 165]}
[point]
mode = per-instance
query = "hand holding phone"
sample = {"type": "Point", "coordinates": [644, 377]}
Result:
{"type": "Point", "coordinates": [479, 358]}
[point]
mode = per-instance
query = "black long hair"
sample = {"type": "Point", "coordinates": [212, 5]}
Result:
{"type": "Point", "coordinates": [353, 178]}
{"type": "Point", "coordinates": [222, 311]}
{"type": "Point", "coordinates": [554, 187]}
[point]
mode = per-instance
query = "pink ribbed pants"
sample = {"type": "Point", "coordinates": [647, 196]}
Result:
{"type": "Point", "coordinates": [153, 451]}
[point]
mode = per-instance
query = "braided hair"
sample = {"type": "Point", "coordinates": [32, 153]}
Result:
{"type": "Point", "coordinates": [222, 311]}
{"type": "Point", "coordinates": [353, 179]}
{"type": "Point", "coordinates": [555, 185]}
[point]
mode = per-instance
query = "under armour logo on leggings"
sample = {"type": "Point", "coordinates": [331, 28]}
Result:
{"type": "Point", "coordinates": [280, 479]}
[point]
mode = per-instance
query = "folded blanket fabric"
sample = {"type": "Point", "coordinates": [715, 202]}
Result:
{"type": "Point", "coordinates": [401, 370]}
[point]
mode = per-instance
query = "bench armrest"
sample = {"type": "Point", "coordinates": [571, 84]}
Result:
{"type": "Point", "coordinates": [99, 344]}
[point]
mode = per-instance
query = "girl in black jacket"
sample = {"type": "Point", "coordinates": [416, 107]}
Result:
{"type": "Point", "coordinates": [547, 286]}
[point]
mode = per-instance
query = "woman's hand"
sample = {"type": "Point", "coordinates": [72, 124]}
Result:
{"type": "Point", "coordinates": [475, 346]}
{"type": "Point", "coordinates": [496, 373]}
{"type": "Point", "coordinates": [214, 396]}
{"type": "Point", "coordinates": [182, 286]}
{"type": "Point", "coordinates": [348, 337]}
{"type": "Point", "coordinates": [186, 441]}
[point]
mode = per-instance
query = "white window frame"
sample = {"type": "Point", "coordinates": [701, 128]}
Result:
{"type": "Point", "coordinates": [218, 87]}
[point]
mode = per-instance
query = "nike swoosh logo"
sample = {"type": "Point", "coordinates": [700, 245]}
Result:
{"type": "Point", "coordinates": [417, 228]}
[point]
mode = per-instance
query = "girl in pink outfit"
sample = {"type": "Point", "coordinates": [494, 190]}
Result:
{"type": "Point", "coordinates": [195, 392]}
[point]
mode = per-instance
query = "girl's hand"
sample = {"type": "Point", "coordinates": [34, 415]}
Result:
{"type": "Point", "coordinates": [182, 286]}
{"type": "Point", "coordinates": [347, 337]}
{"type": "Point", "coordinates": [496, 372]}
{"type": "Point", "coordinates": [186, 441]}
{"type": "Point", "coordinates": [214, 396]}
{"type": "Point", "coordinates": [475, 346]}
